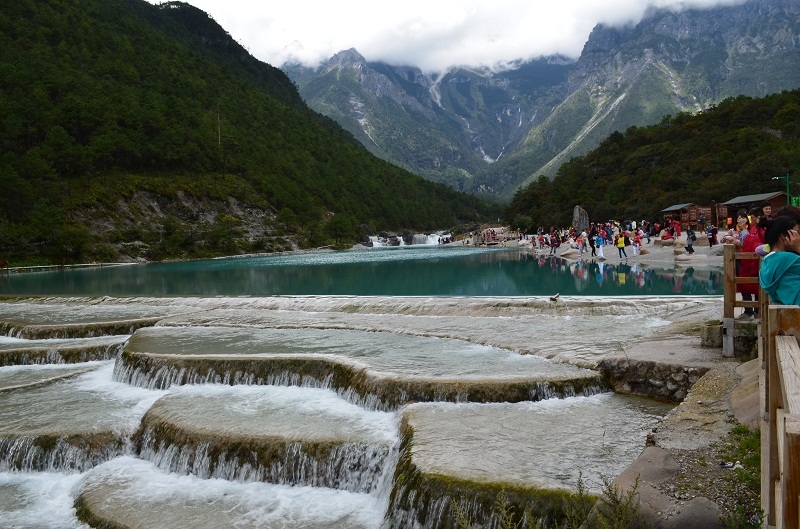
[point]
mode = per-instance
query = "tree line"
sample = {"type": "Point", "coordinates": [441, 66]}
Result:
{"type": "Point", "coordinates": [732, 149]}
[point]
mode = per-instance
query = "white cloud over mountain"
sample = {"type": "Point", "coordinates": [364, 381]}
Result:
{"type": "Point", "coordinates": [430, 34]}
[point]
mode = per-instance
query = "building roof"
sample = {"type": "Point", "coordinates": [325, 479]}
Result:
{"type": "Point", "coordinates": [749, 199]}
{"type": "Point", "coordinates": [677, 207]}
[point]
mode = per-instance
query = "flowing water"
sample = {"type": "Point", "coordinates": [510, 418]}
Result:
{"type": "Point", "coordinates": [291, 410]}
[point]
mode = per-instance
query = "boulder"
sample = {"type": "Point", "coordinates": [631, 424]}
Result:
{"type": "Point", "coordinates": [661, 511]}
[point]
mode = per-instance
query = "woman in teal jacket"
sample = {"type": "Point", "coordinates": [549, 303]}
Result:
{"type": "Point", "coordinates": [780, 270]}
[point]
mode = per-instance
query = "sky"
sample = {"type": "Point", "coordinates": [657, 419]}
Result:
{"type": "Point", "coordinates": [430, 34]}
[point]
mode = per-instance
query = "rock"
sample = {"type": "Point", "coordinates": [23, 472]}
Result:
{"type": "Point", "coordinates": [660, 510]}
{"type": "Point", "coordinates": [698, 513]}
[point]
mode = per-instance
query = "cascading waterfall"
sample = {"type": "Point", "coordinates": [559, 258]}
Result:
{"type": "Point", "coordinates": [352, 467]}
{"type": "Point", "coordinates": [62, 454]}
{"type": "Point", "coordinates": [355, 386]}
{"type": "Point", "coordinates": [36, 354]}
{"type": "Point", "coordinates": [156, 376]}
{"type": "Point", "coordinates": [245, 404]}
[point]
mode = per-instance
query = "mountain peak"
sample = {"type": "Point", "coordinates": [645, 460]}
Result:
{"type": "Point", "coordinates": [481, 128]}
{"type": "Point", "coordinates": [346, 59]}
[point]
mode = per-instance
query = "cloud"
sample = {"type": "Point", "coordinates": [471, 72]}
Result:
{"type": "Point", "coordinates": [432, 35]}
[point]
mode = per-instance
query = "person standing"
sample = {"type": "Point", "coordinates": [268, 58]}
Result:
{"type": "Point", "coordinates": [690, 238]}
{"type": "Point", "coordinates": [749, 267]}
{"type": "Point", "coordinates": [737, 237]}
{"type": "Point", "coordinates": [620, 241]}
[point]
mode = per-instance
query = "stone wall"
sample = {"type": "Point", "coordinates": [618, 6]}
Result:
{"type": "Point", "coordinates": [666, 382]}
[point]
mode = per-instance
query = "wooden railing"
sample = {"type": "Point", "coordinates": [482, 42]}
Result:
{"type": "Point", "coordinates": [779, 393]}
{"type": "Point", "coordinates": [779, 385]}
{"type": "Point", "coordinates": [730, 280]}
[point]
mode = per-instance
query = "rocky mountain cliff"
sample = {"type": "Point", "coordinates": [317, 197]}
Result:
{"type": "Point", "coordinates": [491, 132]}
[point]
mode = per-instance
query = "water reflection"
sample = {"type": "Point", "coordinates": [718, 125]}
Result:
{"type": "Point", "coordinates": [377, 272]}
{"type": "Point", "coordinates": [608, 279]}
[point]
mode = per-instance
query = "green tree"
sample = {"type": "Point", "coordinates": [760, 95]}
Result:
{"type": "Point", "coordinates": [342, 229]}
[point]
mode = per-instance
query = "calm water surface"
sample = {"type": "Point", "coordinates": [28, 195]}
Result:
{"type": "Point", "coordinates": [401, 271]}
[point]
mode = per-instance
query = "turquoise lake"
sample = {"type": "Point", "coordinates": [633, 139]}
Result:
{"type": "Point", "coordinates": [398, 271]}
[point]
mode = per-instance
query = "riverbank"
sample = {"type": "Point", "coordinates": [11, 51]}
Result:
{"type": "Point", "coordinates": [684, 480]}
{"type": "Point", "coordinates": [656, 253]}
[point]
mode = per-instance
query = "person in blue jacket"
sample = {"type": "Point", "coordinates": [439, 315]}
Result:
{"type": "Point", "coordinates": [780, 269]}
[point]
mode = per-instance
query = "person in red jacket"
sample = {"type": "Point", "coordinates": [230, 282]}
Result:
{"type": "Point", "coordinates": [749, 267]}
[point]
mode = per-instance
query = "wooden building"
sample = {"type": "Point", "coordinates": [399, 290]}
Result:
{"type": "Point", "coordinates": [776, 200]}
{"type": "Point", "coordinates": [695, 216]}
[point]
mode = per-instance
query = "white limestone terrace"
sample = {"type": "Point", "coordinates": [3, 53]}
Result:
{"type": "Point", "coordinates": [89, 402]}
{"type": "Point", "coordinates": [289, 435]}
{"type": "Point", "coordinates": [579, 330]}
{"type": "Point", "coordinates": [383, 354]}
{"type": "Point", "coordinates": [76, 310]}
{"type": "Point", "coordinates": [70, 424]}
{"type": "Point", "coordinates": [132, 472]}
{"type": "Point", "coordinates": [127, 488]}
{"type": "Point", "coordinates": [21, 376]}
{"type": "Point", "coordinates": [533, 444]}
{"type": "Point", "coordinates": [16, 351]}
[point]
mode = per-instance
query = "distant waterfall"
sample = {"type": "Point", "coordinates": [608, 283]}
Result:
{"type": "Point", "coordinates": [418, 239]}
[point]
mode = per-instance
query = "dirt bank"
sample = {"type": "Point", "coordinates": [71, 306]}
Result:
{"type": "Point", "coordinates": [682, 482]}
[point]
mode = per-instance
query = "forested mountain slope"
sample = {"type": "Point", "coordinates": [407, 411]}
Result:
{"type": "Point", "coordinates": [732, 149]}
{"type": "Point", "coordinates": [139, 131]}
{"type": "Point", "coordinates": [490, 132]}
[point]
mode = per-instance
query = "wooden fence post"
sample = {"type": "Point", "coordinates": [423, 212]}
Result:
{"type": "Point", "coordinates": [729, 293]}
